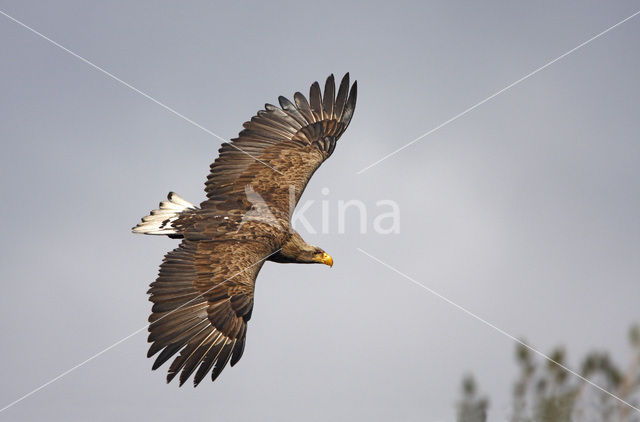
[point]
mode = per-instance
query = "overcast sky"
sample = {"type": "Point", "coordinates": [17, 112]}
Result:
{"type": "Point", "coordinates": [525, 211]}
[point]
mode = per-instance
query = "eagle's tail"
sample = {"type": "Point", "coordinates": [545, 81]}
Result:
{"type": "Point", "coordinates": [161, 221]}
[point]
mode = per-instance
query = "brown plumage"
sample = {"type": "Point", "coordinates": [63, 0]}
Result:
{"type": "Point", "coordinates": [203, 296]}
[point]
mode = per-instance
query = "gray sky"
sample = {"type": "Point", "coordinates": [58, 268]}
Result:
{"type": "Point", "coordinates": [525, 210]}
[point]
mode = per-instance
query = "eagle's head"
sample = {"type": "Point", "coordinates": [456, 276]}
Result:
{"type": "Point", "coordinates": [309, 254]}
{"type": "Point", "coordinates": [321, 257]}
{"type": "Point", "coordinates": [296, 250]}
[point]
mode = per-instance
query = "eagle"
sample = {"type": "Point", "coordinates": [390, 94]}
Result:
{"type": "Point", "coordinates": [203, 296]}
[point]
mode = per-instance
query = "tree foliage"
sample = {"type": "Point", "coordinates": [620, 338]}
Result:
{"type": "Point", "coordinates": [544, 391]}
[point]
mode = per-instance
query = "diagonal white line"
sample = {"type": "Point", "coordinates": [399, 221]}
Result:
{"type": "Point", "coordinates": [501, 331]}
{"type": "Point", "coordinates": [149, 97]}
{"type": "Point", "coordinates": [68, 371]}
{"type": "Point", "coordinates": [511, 85]}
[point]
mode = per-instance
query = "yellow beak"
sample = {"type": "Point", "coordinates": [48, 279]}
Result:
{"type": "Point", "coordinates": [325, 258]}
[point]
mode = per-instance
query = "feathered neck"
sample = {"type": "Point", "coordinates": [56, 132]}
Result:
{"type": "Point", "coordinates": [296, 250]}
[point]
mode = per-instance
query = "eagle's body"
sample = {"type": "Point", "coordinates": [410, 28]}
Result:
{"type": "Point", "coordinates": [203, 296]}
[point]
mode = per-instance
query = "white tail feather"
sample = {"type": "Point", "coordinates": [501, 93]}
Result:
{"type": "Point", "coordinates": [160, 221]}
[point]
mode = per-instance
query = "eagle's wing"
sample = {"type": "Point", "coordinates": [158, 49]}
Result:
{"type": "Point", "coordinates": [202, 300]}
{"type": "Point", "coordinates": [280, 148]}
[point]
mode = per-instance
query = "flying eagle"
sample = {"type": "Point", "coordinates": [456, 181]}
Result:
{"type": "Point", "coordinates": [203, 296]}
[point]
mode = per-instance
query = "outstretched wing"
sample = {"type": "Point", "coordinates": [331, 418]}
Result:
{"type": "Point", "coordinates": [281, 148]}
{"type": "Point", "coordinates": [202, 300]}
